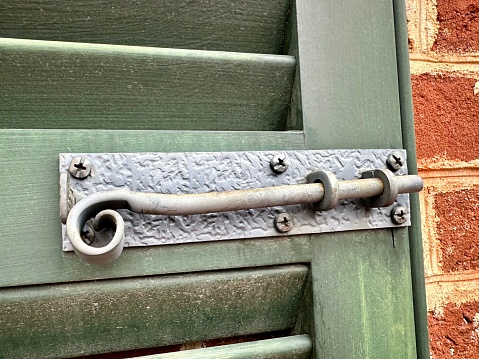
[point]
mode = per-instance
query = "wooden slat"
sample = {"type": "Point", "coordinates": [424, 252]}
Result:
{"type": "Point", "coordinates": [361, 284]}
{"type": "Point", "coordinates": [29, 215]}
{"type": "Point", "coordinates": [49, 84]}
{"type": "Point", "coordinates": [243, 26]}
{"type": "Point", "coordinates": [293, 347]}
{"type": "Point", "coordinates": [349, 83]}
{"type": "Point", "coordinates": [362, 295]}
{"type": "Point", "coordinates": [409, 143]}
{"type": "Point", "coordinates": [95, 317]}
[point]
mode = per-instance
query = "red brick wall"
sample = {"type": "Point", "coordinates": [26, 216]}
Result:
{"type": "Point", "coordinates": [444, 51]}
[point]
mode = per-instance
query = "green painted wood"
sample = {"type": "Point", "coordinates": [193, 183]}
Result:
{"type": "Point", "coordinates": [293, 347]}
{"type": "Point", "coordinates": [48, 84]}
{"type": "Point", "coordinates": [243, 26]}
{"type": "Point", "coordinates": [295, 116]}
{"type": "Point", "coordinates": [349, 84]}
{"type": "Point", "coordinates": [363, 306]}
{"type": "Point", "coordinates": [29, 214]}
{"type": "Point", "coordinates": [362, 295]}
{"type": "Point", "coordinates": [94, 317]}
{"type": "Point", "coordinates": [409, 140]}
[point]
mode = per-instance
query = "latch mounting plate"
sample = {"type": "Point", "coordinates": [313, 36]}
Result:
{"type": "Point", "coordinates": [184, 173]}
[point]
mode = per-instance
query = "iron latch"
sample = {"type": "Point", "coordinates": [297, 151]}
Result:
{"type": "Point", "coordinates": [108, 201]}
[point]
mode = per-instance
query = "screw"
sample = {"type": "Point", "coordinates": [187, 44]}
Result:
{"type": "Point", "coordinates": [395, 161]}
{"type": "Point", "coordinates": [87, 234]}
{"type": "Point", "coordinates": [399, 215]}
{"type": "Point", "coordinates": [283, 222]}
{"type": "Point", "coordinates": [80, 167]}
{"type": "Point", "coordinates": [279, 163]}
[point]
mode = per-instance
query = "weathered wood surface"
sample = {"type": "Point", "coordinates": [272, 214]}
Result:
{"type": "Point", "coordinates": [293, 347]}
{"type": "Point", "coordinates": [409, 142]}
{"type": "Point", "coordinates": [48, 84]}
{"type": "Point", "coordinates": [362, 295]}
{"type": "Point", "coordinates": [361, 284]}
{"type": "Point", "coordinates": [243, 26]}
{"type": "Point", "coordinates": [349, 83]}
{"type": "Point", "coordinates": [30, 221]}
{"type": "Point", "coordinates": [93, 317]}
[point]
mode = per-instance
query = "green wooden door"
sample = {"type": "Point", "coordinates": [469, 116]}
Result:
{"type": "Point", "coordinates": [164, 76]}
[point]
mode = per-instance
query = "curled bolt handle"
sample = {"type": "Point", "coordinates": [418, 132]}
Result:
{"type": "Point", "coordinates": [101, 205]}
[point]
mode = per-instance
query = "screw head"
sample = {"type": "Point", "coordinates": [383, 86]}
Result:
{"type": "Point", "coordinates": [395, 161]}
{"type": "Point", "coordinates": [283, 222]}
{"type": "Point", "coordinates": [87, 234]}
{"type": "Point", "coordinates": [399, 215]}
{"type": "Point", "coordinates": [279, 163]}
{"type": "Point", "coordinates": [80, 167]}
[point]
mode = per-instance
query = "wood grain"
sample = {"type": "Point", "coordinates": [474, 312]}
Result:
{"type": "Point", "coordinates": [362, 295]}
{"type": "Point", "coordinates": [64, 320]}
{"type": "Point", "coordinates": [293, 347]}
{"type": "Point", "coordinates": [361, 284]}
{"type": "Point", "coordinates": [29, 215]}
{"type": "Point", "coordinates": [48, 84]}
{"type": "Point", "coordinates": [242, 26]}
{"type": "Point", "coordinates": [349, 80]}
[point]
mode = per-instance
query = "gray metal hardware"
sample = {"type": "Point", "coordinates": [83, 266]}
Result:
{"type": "Point", "coordinates": [399, 215]}
{"type": "Point", "coordinates": [150, 199]}
{"type": "Point", "coordinates": [80, 167]}
{"type": "Point", "coordinates": [395, 161]}
{"type": "Point", "coordinates": [279, 163]}
{"type": "Point", "coordinates": [283, 222]}
{"type": "Point", "coordinates": [331, 190]}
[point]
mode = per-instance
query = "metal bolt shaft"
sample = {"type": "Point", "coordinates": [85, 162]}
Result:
{"type": "Point", "coordinates": [80, 167]}
{"type": "Point", "coordinates": [279, 163]}
{"type": "Point", "coordinates": [283, 222]}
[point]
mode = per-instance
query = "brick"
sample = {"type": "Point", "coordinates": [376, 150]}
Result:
{"type": "Point", "coordinates": [446, 114]}
{"type": "Point", "coordinates": [458, 26]}
{"type": "Point", "coordinates": [458, 229]}
{"type": "Point", "coordinates": [454, 331]}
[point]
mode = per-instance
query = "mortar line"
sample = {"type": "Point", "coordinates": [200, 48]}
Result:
{"type": "Point", "coordinates": [441, 278]}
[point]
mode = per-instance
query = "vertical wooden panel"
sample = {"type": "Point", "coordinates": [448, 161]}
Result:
{"type": "Point", "coordinates": [362, 295]}
{"type": "Point", "coordinates": [347, 60]}
{"type": "Point", "coordinates": [409, 141]}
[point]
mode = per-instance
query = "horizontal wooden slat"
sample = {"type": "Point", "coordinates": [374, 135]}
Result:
{"type": "Point", "coordinates": [29, 215]}
{"type": "Point", "coordinates": [94, 317]}
{"type": "Point", "coordinates": [293, 347]}
{"type": "Point", "coordinates": [243, 26]}
{"type": "Point", "coordinates": [48, 84]}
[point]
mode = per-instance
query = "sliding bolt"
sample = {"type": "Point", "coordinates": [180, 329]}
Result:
{"type": "Point", "coordinates": [279, 163]}
{"type": "Point", "coordinates": [80, 167]}
{"type": "Point", "coordinates": [395, 161]}
{"type": "Point", "coordinates": [283, 222]}
{"type": "Point", "coordinates": [399, 215]}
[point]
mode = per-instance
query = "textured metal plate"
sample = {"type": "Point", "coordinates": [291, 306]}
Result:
{"type": "Point", "coordinates": [223, 171]}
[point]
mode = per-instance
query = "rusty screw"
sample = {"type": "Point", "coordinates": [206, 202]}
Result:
{"type": "Point", "coordinates": [80, 167]}
{"type": "Point", "coordinates": [279, 163]}
{"type": "Point", "coordinates": [283, 222]}
{"type": "Point", "coordinates": [399, 215]}
{"type": "Point", "coordinates": [395, 161]}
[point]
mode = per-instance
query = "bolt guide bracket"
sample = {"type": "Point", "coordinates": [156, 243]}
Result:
{"type": "Point", "coordinates": [113, 200]}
